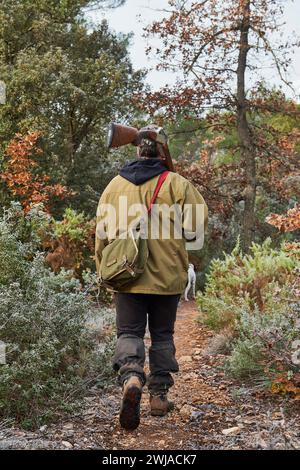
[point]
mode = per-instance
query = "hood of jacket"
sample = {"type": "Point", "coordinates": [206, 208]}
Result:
{"type": "Point", "coordinates": [141, 170]}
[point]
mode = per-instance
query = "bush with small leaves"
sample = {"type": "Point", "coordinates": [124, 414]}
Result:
{"type": "Point", "coordinates": [240, 283]}
{"type": "Point", "coordinates": [264, 350]}
{"type": "Point", "coordinates": [255, 298]}
{"type": "Point", "coordinates": [52, 352]}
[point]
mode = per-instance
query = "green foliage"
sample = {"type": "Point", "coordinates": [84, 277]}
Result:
{"type": "Point", "coordinates": [67, 79]}
{"type": "Point", "coordinates": [255, 298]}
{"type": "Point", "coordinates": [246, 359]}
{"type": "Point", "coordinates": [96, 293]}
{"type": "Point", "coordinates": [75, 226]}
{"type": "Point", "coordinates": [265, 346]}
{"type": "Point", "coordinates": [52, 352]}
{"type": "Point", "coordinates": [240, 282]}
{"type": "Point", "coordinates": [71, 242]}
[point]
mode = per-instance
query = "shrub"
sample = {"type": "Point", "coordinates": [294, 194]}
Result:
{"type": "Point", "coordinates": [255, 297]}
{"type": "Point", "coordinates": [265, 348]}
{"type": "Point", "coordinates": [52, 353]}
{"type": "Point", "coordinates": [240, 282]}
{"type": "Point", "coordinates": [70, 242]}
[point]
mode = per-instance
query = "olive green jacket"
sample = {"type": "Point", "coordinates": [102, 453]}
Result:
{"type": "Point", "coordinates": [167, 265]}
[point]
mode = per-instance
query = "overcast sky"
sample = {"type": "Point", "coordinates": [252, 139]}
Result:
{"type": "Point", "coordinates": [135, 14]}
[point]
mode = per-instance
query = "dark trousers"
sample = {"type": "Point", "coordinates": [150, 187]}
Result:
{"type": "Point", "coordinates": [132, 313]}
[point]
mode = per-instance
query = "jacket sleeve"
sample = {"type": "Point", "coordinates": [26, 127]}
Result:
{"type": "Point", "coordinates": [101, 240]}
{"type": "Point", "coordinates": [195, 216]}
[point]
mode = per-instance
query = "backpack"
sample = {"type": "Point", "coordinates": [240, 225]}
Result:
{"type": "Point", "coordinates": [124, 259]}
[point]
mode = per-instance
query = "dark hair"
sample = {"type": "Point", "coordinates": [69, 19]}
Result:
{"type": "Point", "coordinates": [148, 149]}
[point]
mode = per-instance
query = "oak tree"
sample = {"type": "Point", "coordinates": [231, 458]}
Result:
{"type": "Point", "coordinates": [220, 50]}
{"type": "Point", "coordinates": [65, 78]}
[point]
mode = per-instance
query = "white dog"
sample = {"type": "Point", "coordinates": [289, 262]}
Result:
{"type": "Point", "coordinates": [191, 282]}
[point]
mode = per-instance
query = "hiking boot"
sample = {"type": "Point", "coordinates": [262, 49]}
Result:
{"type": "Point", "coordinates": [160, 405]}
{"type": "Point", "coordinates": [130, 406]}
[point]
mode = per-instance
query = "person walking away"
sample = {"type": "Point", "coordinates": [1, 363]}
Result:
{"type": "Point", "coordinates": [155, 294]}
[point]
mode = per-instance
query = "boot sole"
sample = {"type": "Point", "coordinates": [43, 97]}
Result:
{"type": "Point", "coordinates": [159, 413]}
{"type": "Point", "coordinates": [130, 409]}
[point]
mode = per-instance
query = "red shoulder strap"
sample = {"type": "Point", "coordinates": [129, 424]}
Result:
{"type": "Point", "coordinates": [160, 181]}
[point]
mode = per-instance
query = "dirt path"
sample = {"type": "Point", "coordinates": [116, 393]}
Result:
{"type": "Point", "coordinates": [189, 393]}
{"type": "Point", "coordinates": [211, 411]}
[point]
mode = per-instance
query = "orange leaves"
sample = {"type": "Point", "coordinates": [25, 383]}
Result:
{"type": "Point", "coordinates": [21, 176]}
{"type": "Point", "coordinates": [284, 385]}
{"type": "Point", "coordinates": [287, 222]}
{"type": "Point", "coordinates": [219, 189]}
{"type": "Point", "coordinates": [288, 143]}
{"type": "Point", "coordinates": [293, 249]}
{"type": "Point", "coordinates": [209, 151]}
{"type": "Point", "coordinates": [71, 243]}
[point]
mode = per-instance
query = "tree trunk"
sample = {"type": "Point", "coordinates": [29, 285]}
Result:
{"type": "Point", "coordinates": [244, 134]}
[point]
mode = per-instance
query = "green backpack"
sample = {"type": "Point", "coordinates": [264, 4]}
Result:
{"type": "Point", "coordinates": [124, 259]}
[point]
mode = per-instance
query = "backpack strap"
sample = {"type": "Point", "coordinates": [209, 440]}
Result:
{"type": "Point", "coordinates": [160, 181]}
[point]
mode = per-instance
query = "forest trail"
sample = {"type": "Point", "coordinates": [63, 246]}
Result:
{"type": "Point", "coordinates": [211, 411]}
{"type": "Point", "coordinates": [190, 394]}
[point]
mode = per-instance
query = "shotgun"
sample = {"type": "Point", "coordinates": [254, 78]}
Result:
{"type": "Point", "coordinates": [119, 135]}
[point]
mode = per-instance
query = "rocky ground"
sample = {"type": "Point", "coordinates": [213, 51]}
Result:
{"type": "Point", "coordinates": [211, 411]}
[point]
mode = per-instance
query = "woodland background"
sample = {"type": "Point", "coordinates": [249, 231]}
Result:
{"type": "Point", "coordinates": [233, 136]}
